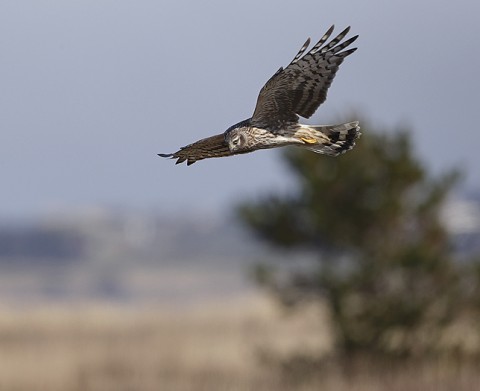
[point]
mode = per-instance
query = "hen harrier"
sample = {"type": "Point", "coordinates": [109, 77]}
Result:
{"type": "Point", "coordinates": [295, 91]}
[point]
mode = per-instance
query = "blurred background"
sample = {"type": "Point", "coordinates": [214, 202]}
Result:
{"type": "Point", "coordinates": [273, 270]}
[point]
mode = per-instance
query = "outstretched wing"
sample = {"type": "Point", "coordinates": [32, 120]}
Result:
{"type": "Point", "coordinates": [214, 146]}
{"type": "Point", "coordinates": [302, 86]}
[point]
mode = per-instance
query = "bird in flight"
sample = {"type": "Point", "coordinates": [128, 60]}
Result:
{"type": "Point", "coordinates": [295, 91]}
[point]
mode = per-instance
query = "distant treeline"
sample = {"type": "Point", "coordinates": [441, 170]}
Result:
{"type": "Point", "coordinates": [40, 243]}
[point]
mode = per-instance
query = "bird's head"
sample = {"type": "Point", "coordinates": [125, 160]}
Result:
{"type": "Point", "coordinates": [237, 139]}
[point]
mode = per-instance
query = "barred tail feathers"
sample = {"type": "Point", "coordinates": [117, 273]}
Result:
{"type": "Point", "coordinates": [331, 140]}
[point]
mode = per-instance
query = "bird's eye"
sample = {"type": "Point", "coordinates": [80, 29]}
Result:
{"type": "Point", "coordinates": [235, 140]}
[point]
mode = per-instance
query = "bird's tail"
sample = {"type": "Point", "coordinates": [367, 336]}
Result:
{"type": "Point", "coordinates": [331, 140]}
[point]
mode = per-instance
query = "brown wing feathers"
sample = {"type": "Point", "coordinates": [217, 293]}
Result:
{"type": "Point", "coordinates": [317, 71]}
{"type": "Point", "coordinates": [302, 86]}
{"type": "Point", "coordinates": [214, 146]}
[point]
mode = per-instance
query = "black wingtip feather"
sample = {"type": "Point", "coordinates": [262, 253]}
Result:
{"type": "Point", "coordinates": [346, 53]}
{"type": "Point", "coordinates": [350, 41]}
{"type": "Point", "coordinates": [344, 32]}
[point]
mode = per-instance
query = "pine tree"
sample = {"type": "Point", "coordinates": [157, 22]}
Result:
{"type": "Point", "coordinates": [372, 217]}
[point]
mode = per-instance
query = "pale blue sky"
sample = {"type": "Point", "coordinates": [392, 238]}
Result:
{"type": "Point", "coordinates": [90, 91]}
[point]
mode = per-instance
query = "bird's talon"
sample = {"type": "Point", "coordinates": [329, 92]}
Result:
{"type": "Point", "coordinates": [308, 140]}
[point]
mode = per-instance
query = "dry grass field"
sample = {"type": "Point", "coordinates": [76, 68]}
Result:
{"type": "Point", "coordinates": [229, 345]}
